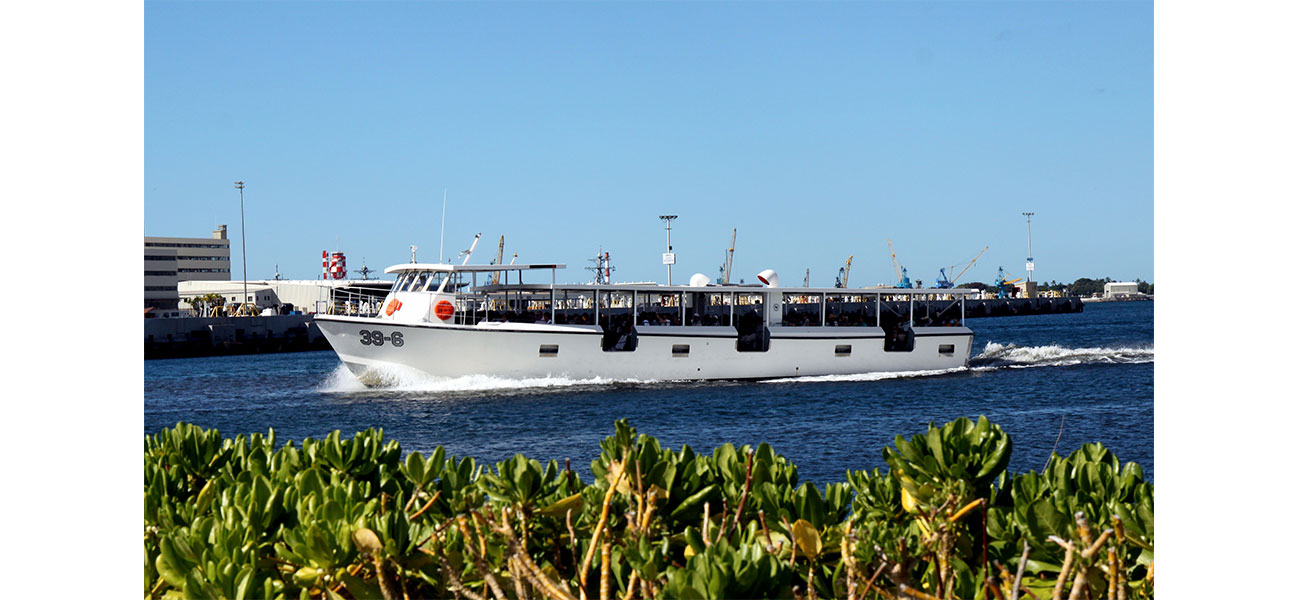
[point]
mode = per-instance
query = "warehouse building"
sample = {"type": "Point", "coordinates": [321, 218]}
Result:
{"type": "Point", "coordinates": [1121, 289]}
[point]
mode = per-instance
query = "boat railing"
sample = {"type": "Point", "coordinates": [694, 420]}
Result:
{"type": "Point", "coordinates": [352, 303]}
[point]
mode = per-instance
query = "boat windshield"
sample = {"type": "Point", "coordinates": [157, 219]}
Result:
{"type": "Point", "coordinates": [419, 281]}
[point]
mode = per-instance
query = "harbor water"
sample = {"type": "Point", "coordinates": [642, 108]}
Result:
{"type": "Point", "coordinates": [1051, 381]}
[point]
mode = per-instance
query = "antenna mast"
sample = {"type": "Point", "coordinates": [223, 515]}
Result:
{"type": "Point", "coordinates": [602, 267]}
{"type": "Point", "coordinates": [442, 234]}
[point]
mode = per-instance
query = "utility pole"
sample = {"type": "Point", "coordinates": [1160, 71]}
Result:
{"type": "Point", "coordinates": [243, 249]}
{"type": "Point", "coordinates": [1029, 262]}
{"type": "Point", "coordinates": [669, 257]}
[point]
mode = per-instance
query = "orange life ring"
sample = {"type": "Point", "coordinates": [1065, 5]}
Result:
{"type": "Point", "coordinates": [444, 310]}
{"type": "Point", "coordinates": [393, 306]}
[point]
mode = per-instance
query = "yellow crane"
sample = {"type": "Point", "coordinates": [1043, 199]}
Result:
{"type": "Point", "coordinates": [898, 271]}
{"type": "Point", "coordinates": [501, 248]}
{"type": "Point", "coordinates": [725, 271]}
{"type": "Point", "coordinates": [842, 281]}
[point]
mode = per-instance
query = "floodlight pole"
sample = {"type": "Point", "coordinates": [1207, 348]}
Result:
{"type": "Point", "coordinates": [1029, 262]}
{"type": "Point", "coordinates": [668, 225]}
{"type": "Point", "coordinates": [243, 249]}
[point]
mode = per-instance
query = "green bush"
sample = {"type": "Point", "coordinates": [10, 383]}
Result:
{"type": "Point", "coordinates": [351, 518]}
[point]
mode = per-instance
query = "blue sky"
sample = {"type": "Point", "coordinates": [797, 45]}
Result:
{"type": "Point", "coordinates": [819, 131]}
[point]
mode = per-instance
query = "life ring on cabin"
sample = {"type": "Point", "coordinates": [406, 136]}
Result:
{"type": "Point", "coordinates": [444, 310]}
{"type": "Point", "coordinates": [393, 306]}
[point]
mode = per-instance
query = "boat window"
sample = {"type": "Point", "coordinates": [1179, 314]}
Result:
{"type": "Point", "coordinates": [420, 279]}
{"type": "Point", "coordinates": [518, 306]}
{"type": "Point", "coordinates": [937, 313]}
{"type": "Point", "coordinates": [711, 309]}
{"type": "Point", "coordinates": [850, 310]}
{"type": "Point", "coordinates": [405, 282]}
{"type": "Point", "coordinates": [749, 304]}
{"type": "Point", "coordinates": [752, 334]}
{"type": "Point", "coordinates": [435, 281]}
{"type": "Point", "coordinates": [616, 321]}
{"type": "Point", "coordinates": [895, 320]}
{"type": "Point", "coordinates": [657, 308]}
{"type": "Point", "coordinates": [801, 310]}
{"type": "Point", "coordinates": [575, 307]}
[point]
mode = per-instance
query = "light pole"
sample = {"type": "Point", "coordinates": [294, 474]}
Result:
{"type": "Point", "coordinates": [1029, 262]}
{"type": "Point", "coordinates": [243, 250]}
{"type": "Point", "coordinates": [669, 257]}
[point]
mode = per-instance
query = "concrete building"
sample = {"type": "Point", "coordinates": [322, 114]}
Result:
{"type": "Point", "coordinates": [1118, 289]}
{"type": "Point", "coordinates": [170, 260]}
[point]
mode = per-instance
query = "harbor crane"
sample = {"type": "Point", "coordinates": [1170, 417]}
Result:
{"type": "Point", "coordinates": [501, 248]}
{"type": "Point", "coordinates": [1003, 286]}
{"type": "Point", "coordinates": [842, 280]}
{"type": "Point", "coordinates": [469, 251]}
{"type": "Point", "coordinates": [899, 272]}
{"type": "Point", "coordinates": [724, 272]}
{"type": "Point", "coordinates": [944, 283]}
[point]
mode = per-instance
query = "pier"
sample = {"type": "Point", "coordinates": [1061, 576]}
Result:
{"type": "Point", "coordinates": [188, 337]}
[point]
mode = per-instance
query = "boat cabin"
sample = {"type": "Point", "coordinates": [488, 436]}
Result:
{"type": "Point", "coordinates": [486, 295]}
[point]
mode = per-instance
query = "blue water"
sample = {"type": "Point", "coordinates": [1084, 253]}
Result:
{"type": "Point", "coordinates": [1087, 377]}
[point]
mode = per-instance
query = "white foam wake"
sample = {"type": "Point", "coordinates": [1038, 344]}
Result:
{"type": "Point", "coordinates": [999, 356]}
{"type": "Point", "coordinates": [866, 376]}
{"type": "Point", "coordinates": [405, 379]}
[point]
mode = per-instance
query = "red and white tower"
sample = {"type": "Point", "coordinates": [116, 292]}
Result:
{"type": "Point", "coordinates": [333, 265]}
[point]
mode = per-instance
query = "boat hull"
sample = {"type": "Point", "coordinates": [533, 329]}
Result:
{"type": "Point", "coordinates": [518, 351]}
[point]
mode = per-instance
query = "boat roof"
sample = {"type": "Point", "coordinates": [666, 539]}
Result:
{"type": "Point", "coordinates": [714, 289]}
{"type": "Point", "coordinates": [652, 287]}
{"type": "Point", "coordinates": [466, 268]}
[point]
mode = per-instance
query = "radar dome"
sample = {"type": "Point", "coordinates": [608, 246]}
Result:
{"type": "Point", "coordinates": [699, 280]}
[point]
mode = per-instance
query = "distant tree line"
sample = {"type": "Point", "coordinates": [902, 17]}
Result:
{"type": "Point", "coordinates": [1081, 286]}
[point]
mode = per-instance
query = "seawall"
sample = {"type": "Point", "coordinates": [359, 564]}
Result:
{"type": "Point", "coordinates": [217, 336]}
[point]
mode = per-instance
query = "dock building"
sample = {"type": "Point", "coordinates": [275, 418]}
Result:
{"type": "Point", "coordinates": [1121, 289]}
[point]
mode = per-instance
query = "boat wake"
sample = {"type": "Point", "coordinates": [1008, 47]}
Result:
{"type": "Point", "coordinates": [865, 376]}
{"type": "Point", "coordinates": [1011, 356]}
{"type": "Point", "coordinates": [403, 379]}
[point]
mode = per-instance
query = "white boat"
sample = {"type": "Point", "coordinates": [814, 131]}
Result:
{"type": "Point", "coordinates": [456, 320]}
